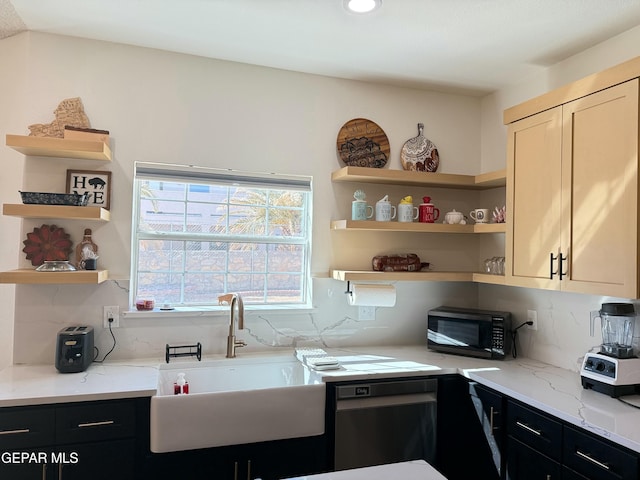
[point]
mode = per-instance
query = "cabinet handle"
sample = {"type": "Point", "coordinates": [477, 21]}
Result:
{"type": "Point", "coordinates": [44, 471]}
{"type": "Point", "coordinates": [13, 432]}
{"type": "Point", "coordinates": [592, 460]}
{"type": "Point", "coordinates": [248, 469]}
{"type": "Point", "coordinates": [529, 429]}
{"type": "Point", "coordinates": [491, 419]}
{"type": "Point", "coordinates": [561, 259]}
{"type": "Point", "coordinates": [492, 414]}
{"type": "Point", "coordinates": [95, 424]}
{"type": "Point", "coordinates": [235, 470]}
{"type": "Point", "coordinates": [59, 471]}
{"type": "Point", "coordinates": [551, 260]}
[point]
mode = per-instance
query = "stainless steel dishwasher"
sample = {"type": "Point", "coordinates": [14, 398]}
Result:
{"type": "Point", "coordinates": [384, 421]}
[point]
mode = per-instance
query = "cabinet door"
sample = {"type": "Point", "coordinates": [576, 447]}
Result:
{"type": "Point", "coordinates": [525, 463]}
{"type": "Point", "coordinates": [37, 467]}
{"type": "Point", "coordinates": [97, 461]}
{"type": "Point", "coordinates": [596, 459]}
{"type": "Point", "coordinates": [534, 148]}
{"type": "Point", "coordinates": [490, 411]}
{"type": "Point", "coordinates": [462, 450]}
{"type": "Point", "coordinates": [600, 192]}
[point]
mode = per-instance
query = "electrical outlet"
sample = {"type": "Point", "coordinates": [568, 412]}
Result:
{"type": "Point", "coordinates": [532, 316]}
{"type": "Point", "coordinates": [111, 313]}
{"type": "Point", "coordinates": [366, 313]}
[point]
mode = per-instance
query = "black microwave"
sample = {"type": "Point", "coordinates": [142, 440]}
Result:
{"type": "Point", "coordinates": [466, 331]}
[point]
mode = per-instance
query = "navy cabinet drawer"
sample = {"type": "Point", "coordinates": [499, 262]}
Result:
{"type": "Point", "coordinates": [95, 421]}
{"type": "Point", "coordinates": [22, 427]}
{"type": "Point", "coordinates": [535, 429]}
{"type": "Point", "coordinates": [596, 459]}
{"type": "Point", "coordinates": [525, 463]}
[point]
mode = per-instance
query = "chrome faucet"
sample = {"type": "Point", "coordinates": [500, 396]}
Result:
{"type": "Point", "coordinates": [234, 300]}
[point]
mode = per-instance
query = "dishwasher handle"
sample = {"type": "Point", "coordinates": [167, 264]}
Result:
{"type": "Point", "coordinates": [385, 401]}
{"type": "Point", "coordinates": [386, 388]}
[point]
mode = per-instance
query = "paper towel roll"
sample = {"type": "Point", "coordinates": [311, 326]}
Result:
{"type": "Point", "coordinates": [372, 295]}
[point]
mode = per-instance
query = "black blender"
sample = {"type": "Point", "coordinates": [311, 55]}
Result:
{"type": "Point", "coordinates": [615, 370]}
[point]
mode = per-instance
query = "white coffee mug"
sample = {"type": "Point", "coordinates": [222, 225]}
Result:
{"type": "Point", "coordinates": [480, 215]}
{"type": "Point", "coordinates": [407, 212]}
{"type": "Point", "coordinates": [385, 212]}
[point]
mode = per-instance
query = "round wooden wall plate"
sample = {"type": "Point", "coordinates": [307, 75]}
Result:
{"type": "Point", "coordinates": [362, 143]}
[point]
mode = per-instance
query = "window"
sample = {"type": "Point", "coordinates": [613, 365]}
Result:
{"type": "Point", "coordinates": [200, 232]}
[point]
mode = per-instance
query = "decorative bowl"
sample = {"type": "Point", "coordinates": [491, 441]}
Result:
{"type": "Point", "coordinates": [39, 198]}
{"type": "Point", "coordinates": [56, 266]}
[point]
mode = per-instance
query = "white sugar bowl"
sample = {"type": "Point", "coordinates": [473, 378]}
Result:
{"type": "Point", "coordinates": [454, 217]}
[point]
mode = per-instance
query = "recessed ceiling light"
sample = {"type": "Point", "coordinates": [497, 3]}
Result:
{"type": "Point", "coordinates": [362, 6]}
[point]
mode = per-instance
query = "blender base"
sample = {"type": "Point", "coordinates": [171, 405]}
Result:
{"type": "Point", "coordinates": [612, 376]}
{"type": "Point", "coordinates": [611, 390]}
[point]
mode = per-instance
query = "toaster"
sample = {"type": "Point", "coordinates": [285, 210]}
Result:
{"type": "Point", "coordinates": [74, 349]}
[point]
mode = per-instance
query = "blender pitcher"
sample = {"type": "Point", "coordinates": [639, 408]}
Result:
{"type": "Point", "coordinates": [617, 321]}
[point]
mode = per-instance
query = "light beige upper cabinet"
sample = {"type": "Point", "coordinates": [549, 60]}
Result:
{"type": "Point", "coordinates": [534, 150]}
{"type": "Point", "coordinates": [572, 195]}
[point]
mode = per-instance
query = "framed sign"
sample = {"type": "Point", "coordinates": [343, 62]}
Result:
{"type": "Point", "coordinates": [95, 182]}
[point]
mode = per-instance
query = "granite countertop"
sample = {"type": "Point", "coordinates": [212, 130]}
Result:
{"type": "Point", "coordinates": [414, 470]}
{"type": "Point", "coordinates": [43, 384]}
{"type": "Point", "coordinates": [548, 388]}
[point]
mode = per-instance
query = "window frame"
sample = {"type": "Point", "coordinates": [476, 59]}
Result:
{"type": "Point", "coordinates": [230, 177]}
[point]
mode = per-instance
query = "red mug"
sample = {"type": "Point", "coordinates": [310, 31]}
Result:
{"type": "Point", "coordinates": [427, 213]}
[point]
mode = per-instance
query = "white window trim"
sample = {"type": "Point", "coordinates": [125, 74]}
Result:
{"type": "Point", "coordinates": [189, 173]}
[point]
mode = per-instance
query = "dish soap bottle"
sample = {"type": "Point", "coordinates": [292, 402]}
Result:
{"type": "Point", "coordinates": [181, 387]}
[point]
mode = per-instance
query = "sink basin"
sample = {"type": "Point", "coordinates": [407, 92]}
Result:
{"type": "Point", "coordinates": [236, 401]}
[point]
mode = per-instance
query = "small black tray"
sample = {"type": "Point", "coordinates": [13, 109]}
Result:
{"type": "Point", "coordinates": [73, 199]}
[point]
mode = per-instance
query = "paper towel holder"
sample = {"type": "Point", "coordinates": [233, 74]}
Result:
{"type": "Point", "coordinates": [371, 295]}
{"type": "Point", "coordinates": [349, 288]}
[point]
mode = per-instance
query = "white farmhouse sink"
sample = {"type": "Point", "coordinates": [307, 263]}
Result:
{"type": "Point", "coordinates": [235, 401]}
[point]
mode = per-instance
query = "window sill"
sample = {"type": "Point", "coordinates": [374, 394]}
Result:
{"type": "Point", "coordinates": [217, 311]}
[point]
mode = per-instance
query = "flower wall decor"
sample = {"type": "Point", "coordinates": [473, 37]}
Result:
{"type": "Point", "coordinates": [47, 243]}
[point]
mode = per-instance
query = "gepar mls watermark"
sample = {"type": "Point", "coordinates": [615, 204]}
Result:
{"type": "Point", "coordinates": [17, 458]}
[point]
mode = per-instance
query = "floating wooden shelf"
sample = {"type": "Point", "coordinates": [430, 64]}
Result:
{"type": "Point", "coordinates": [59, 147]}
{"type": "Point", "coordinates": [56, 211]}
{"type": "Point", "coordinates": [487, 278]}
{"type": "Point", "coordinates": [417, 227]}
{"type": "Point", "coordinates": [30, 276]}
{"type": "Point", "coordinates": [404, 177]}
{"type": "Point", "coordinates": [357, 275]}
{"type": "Point", "coordinates": [369, 276]}
{"type": "Point", "coordinates": [490, 228]}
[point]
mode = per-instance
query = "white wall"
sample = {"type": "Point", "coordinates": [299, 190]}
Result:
{"type": "Point", "coordinates": [165, 107]}
{"type": "Point", "coordinates": [563, 335]}
{"type": "Point", "coordinates": [13, 57]}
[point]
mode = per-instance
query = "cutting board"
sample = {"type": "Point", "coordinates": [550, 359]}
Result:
{"type": "Point", "coordinates": [419, 153]}
{"type": "Point", "coordinates": [362, 143]}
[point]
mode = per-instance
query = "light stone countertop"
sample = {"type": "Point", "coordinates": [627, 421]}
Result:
{"type": "Point", "coordinates": [414, 470]}
{"type": "Point", "coordinates": [43, 384]}
{"type": "Point", "coordinates": [548, 388]}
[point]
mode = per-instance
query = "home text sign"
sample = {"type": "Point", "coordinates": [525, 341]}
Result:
{"type": "Point", "coordinates": [95, 182]}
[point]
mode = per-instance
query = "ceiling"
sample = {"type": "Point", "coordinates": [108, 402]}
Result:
{"type": "Point", "coordinates": [463, 46]}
